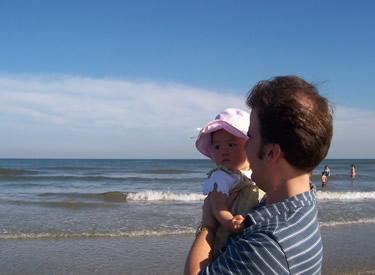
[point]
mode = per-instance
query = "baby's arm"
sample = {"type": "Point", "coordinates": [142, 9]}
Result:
{"type": "Point", "coordinates": [217, 201]}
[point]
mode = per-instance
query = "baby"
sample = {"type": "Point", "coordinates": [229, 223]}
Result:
{"type": "Point", "coordinates": [223, 140]}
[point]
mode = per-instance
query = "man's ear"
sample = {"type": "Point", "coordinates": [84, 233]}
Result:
{"type": "Point", "coordinates": [272, 152]}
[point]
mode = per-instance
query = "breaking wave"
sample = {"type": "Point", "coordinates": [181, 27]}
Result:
{"type": "Point", "coordinates": [66, 235]}
{"type": "Point", "coordinates": [345, 196]}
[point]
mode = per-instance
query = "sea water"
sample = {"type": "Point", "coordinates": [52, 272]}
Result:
{"type": "Point", "coordinates": [70, 199]}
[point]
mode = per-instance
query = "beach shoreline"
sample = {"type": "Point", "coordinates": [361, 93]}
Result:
{"type": "Point", "coordinates": [347, 250]}
{"type": "Point", "coordinates": [138, 216]}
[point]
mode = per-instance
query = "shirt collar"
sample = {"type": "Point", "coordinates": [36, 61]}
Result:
{"type": "Point", "coordinates": [262, 211]}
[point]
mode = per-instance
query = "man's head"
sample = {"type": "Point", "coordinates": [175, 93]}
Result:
{"type": "Point", "coordinates": [292, 114]}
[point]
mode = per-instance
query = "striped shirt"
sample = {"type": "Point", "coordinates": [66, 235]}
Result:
{"type": "Point", "coordinates": [280, 238]}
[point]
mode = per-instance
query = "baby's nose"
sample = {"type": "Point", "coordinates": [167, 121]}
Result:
{"type": "Point", "coordinates": [225, 151]}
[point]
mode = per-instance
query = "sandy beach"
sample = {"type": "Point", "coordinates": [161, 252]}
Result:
{"type": "Point", "coordinates": [347, 250]}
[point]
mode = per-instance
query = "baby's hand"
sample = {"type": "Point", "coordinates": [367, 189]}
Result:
{"type": "Point", "coordinates": [238, 223]}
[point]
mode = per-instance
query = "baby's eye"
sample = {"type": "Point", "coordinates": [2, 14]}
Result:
{"type": "Point", "coordinates": [217, 147]}
{"type": "Point", "coordinates": [232, 144]}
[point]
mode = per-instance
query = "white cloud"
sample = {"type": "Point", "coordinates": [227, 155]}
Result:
{"type": "Point", "coordinates": [70, 116]}
{"type": "Point", "coordinates": [354, 133]}
{"type": "Point", "coordinates": [77, 116]}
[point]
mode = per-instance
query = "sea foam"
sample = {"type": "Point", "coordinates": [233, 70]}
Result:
{"type": "Point", "coordinates": [347, 222]}
{"type": "Point", "coordinates": [345, 196]}
{"type": "Point", "coordinates": [164, 196]}
{"type": "Point", "coordinates": [79, 235]}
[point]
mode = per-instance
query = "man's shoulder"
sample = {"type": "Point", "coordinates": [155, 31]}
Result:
{"type": "Point", "coordinates": [252, 253]}
{"type": "Point", "coordinates": [279, 238]}
{"type": "Point", "coordinates": [289, 231]}
{"type": "Point", "coordinates": [283, 218]}
{"type": "Point", "coordinates": [273, 248]}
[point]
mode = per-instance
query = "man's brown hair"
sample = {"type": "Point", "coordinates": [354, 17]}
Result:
{"type": "Point", "coordinates": [293, 115]}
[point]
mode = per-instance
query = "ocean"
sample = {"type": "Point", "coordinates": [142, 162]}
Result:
{"type": "Point", "coordinates": [88, 206]}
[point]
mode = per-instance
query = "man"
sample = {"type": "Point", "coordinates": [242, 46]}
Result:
{"type": "Point", "coordinates": [289, 135]}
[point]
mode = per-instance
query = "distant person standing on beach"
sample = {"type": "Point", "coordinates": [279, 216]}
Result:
{"type": "Point", "coordinates": [327, 171]}
{"type": "Point", "coordinates": [353, 171]}
{"type": "Point", "coordinates": [290, 133]}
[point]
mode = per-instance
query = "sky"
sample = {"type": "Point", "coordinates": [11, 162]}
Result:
{"type": "Point", "coordinates": [135, 79]}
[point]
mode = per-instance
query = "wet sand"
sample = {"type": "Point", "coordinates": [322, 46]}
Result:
{"type": "Point", "coordinates": [347, 250]}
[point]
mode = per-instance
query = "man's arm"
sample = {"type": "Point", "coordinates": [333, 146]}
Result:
{"type": "Point", "coordinates": [200, 254]}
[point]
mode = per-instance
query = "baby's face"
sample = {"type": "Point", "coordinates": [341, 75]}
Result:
{"type": "Point", "coordinates": [229, 151]}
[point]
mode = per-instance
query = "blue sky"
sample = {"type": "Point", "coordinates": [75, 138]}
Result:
{"type": "Point", "coordinates": [134, 79]}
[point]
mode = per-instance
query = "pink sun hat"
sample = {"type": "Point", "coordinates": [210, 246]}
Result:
{"type": "Point", "coordinates": [232, 120]}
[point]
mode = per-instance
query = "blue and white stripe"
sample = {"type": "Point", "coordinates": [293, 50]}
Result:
{"type": "Point", "coordinates": [281, 238]}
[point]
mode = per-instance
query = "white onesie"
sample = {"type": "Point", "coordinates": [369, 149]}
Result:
{"type": "Point", "coordinates": [225, 182]}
